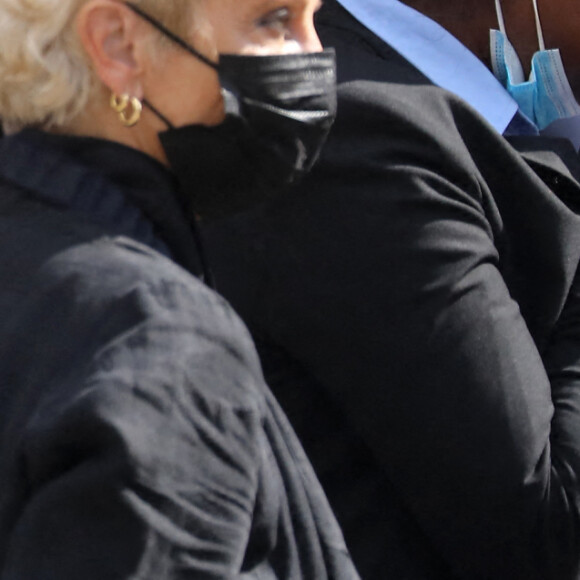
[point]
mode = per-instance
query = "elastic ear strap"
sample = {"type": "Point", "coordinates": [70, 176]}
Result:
{"type": "Point", "coordinates": [500, 19]}
{"type": "Point", "coordinates": [161, 116]}
{"type": "Point", "coordinates": [541, 43]}
{"type": "Point", "coordinates": [156, 24]}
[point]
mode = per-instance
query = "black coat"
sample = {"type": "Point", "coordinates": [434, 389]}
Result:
{"type": "Point", "coordinates": [417, 312]}
{"type": "Point", "coordinates": [137, 437]}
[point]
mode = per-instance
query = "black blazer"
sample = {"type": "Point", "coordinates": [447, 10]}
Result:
{"type": "Point", "coordinates": [417, 312]}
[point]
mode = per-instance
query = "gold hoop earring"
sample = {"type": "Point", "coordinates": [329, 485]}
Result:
{"type": "Point", "coordinates": [128, 108]}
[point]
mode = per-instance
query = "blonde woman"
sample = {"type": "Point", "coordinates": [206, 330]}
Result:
{"type": "Point", "coordinates": [137, 438]}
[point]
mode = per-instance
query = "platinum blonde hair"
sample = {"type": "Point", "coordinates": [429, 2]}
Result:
{"type": "Point", "coordinates": [46, 78]}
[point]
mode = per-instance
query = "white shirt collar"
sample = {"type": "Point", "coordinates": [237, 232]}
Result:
{"type": "Point", "coordinates": [438, 55]}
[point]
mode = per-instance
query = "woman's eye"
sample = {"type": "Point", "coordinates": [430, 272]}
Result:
{"type": "Point", "coordinates": [278, 20]}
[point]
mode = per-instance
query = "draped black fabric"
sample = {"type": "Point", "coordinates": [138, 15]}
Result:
{"type": "Point", "coordinates": [137, 437]}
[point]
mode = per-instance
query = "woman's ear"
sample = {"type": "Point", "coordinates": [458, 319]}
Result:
{"type": "Point", "coordinates": [109, 33]}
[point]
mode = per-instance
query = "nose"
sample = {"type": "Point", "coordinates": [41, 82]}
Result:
{"type": "Point", "coordinates": [310, 41]}
{"type": "Point", "coordinates": [303, 36]}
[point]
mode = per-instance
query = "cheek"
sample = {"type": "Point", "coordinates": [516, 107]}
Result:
{"type": "Point", "coordinates": [186, 92]}
{"type": "Point", "coordinates": [215, 108]}
{"type": "Point", "coordinates": [200, 101]}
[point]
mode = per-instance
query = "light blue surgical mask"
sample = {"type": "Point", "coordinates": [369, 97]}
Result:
{"type": "Point", "coordinates": [546, 96]}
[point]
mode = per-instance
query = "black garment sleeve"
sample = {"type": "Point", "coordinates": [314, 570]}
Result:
{"type": "Point", "coordinates": [142, 459]}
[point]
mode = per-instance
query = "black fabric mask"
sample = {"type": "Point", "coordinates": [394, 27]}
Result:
{"type": "Point", "coordinates": [279, 110]}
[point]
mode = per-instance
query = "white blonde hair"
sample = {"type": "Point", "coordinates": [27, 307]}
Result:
{"type": "Point", "coordinates": [46, 79]}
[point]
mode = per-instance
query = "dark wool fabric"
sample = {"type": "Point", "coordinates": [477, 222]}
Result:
{"type": "Point", "coordinates": [137, 437]}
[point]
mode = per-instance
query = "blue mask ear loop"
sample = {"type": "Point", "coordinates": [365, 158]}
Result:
{"type": "Point", "coordinates": [207, 274]}
{"type": "Point", "coordinates": [541, 43]}
{"type": "Point", "coordinates": [500, 20]}
{"type": "Point", "coordinates": [539, 32]}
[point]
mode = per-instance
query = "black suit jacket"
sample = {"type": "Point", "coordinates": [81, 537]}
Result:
{"type": "Point", "coordinates": [417, 313]}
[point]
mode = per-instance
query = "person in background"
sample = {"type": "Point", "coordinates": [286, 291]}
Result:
{"type": "Point", "coordinates": [416, 301]}
{"type": "Point", "coordinates": [137, 436]}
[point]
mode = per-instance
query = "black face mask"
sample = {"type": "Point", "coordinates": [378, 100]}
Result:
{"type": "Point", "coordinates": [279, 110]}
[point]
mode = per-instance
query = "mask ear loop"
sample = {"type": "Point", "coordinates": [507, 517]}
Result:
{"type": "Point", "coordinates": [500, 20]}
{"type": "Point", "coordinates": [206, 272]}
{"type": "Point", "coordinates": [179, 41]}
{"type": "Point", "coordinates": [207, 276]}
{"type": "Point", "coordinates": [541, 43]}
{"type": "Point", "coordinates": [159, 114]}
{"type": "Point", "coordinates": [539, 32]}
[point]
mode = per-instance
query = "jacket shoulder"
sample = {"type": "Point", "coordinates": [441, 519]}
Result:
{"type": "Point", "coordinates": [93, 290]}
